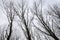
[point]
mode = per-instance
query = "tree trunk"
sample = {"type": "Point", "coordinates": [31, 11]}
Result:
{"type": "Point", "coordinates": [10, 31]}
{"type": "Point", "coordinates": [28, 33]}
{"type": "Point", "coordinates": [54, 36]}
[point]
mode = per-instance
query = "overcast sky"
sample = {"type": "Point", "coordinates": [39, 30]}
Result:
{"type": "Point", "coordinates": [3, 19]}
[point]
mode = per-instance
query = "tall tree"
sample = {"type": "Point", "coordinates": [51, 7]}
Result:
{"type": "Point", "coordinates": [40, 17]}
{"type": "Point", "coordinates": [54, 12]}
{"type": "Point", "coordinates": [21, 14]}
{"type": "Point", "coordinates": [8, 7]}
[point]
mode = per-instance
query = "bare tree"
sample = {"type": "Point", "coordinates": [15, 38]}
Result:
{"type": "Point", "coordinates": [8, 7]}
{"type": "Point", "coordinates": [21, 14]}
{"type": "Point", "coordinates": [42, 21]}
{"type": "Point", "coordinates": [54, 12]}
